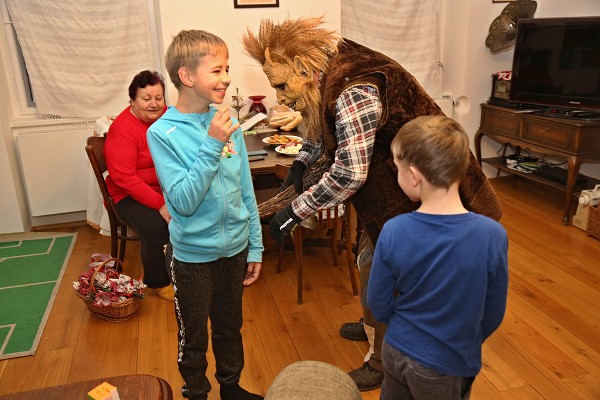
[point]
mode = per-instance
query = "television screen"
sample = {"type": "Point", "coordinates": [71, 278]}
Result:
{"type": "Point", "coordinates": [557, 62]}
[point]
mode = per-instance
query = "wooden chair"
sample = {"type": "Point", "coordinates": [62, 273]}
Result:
{"type": "Point", "coordinates": [119, 231]}
{"type": "Point", "coordinates": [333, 220]}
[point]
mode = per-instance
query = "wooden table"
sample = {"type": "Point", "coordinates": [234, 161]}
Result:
{"type": "Point", "coordinates": [130, 387]}
{"type": "Point", "coordinates": [263, 171]}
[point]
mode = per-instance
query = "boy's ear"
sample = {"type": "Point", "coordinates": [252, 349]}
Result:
{"type": "Point", "coordinates": [185, 76]}
{"type": "Point", "coordinates": [415, 175]}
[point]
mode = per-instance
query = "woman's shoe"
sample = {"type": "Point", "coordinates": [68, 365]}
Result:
{"type": "Point", "coordinates": [166, 292]}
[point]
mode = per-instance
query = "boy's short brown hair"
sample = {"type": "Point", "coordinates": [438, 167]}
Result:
{"type": "Point", "coordinates": [436, 145]}
{"type": "Point", "coordinates": [188, 48]}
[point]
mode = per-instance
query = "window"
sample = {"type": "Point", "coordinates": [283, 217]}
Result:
{"type": "Point", "coordinates": [18, 70]}
{"type": "Point", "coordinates": [16, 65]}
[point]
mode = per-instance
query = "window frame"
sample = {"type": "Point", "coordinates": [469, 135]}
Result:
{"type": "Point", "coordinates": [17, 72]}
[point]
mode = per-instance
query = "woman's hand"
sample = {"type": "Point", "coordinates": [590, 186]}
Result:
{"type": "Point", "coordinates": [252, 273]}
{"type": "Point", "coordinates": [221, 127]}
{"type": "Point", "coordinates": [164, 212]}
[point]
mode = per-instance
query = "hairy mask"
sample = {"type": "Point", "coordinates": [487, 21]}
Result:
{"type": "Point", "coordinates": [293, 55]}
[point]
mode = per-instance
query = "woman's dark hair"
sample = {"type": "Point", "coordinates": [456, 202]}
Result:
{"type": "Point", "coordinates": [143, 79]}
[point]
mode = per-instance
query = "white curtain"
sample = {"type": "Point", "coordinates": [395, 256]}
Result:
{"type": "Point", "coordinates": [405, 30]}
{"type": "Point", "coordinates": [82, 54]}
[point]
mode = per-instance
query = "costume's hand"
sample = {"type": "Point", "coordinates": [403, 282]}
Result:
{"type": "Point", "coordinates": [252, 273]}
{"type": "Point", "coordinates": [222, 126]}
{"type": "Point", "coordinates": [295, 177]}
{"type": "Point", "coordinates": [286, 120]}
{"type": "Point", "coordinates": [282, 224]}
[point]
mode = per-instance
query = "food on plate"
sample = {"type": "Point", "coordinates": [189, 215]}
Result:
{"type": "Point", "coordinates": [289, 149]}
{"type": "Point", "coordinates": [282, 139]}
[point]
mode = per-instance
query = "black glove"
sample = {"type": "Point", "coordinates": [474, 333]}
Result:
{"type": "Point", "coordinates": [295, 177]}
{"type": "Point", "coordinates": [282, 224]}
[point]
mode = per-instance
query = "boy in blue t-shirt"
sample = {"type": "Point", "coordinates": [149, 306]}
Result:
{"type": "Point", "coordinates": [439, 278]}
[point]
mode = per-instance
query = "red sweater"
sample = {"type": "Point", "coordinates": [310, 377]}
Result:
{"type": "Point", "coordinates": [131, 170]}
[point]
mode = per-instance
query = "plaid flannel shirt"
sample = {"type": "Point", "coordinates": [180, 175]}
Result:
{"type": "Point", "coordinates": [357, 112]}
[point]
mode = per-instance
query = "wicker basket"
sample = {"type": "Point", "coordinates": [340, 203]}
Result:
{"type": "Point", "coordinates": [115, 312]}
{"type": "Point", "coordinates": [593, 225]}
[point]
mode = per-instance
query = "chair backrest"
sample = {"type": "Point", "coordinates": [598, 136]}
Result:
{"type": "Point", "coordinates": [95, 153]}
{"type": "Point", "coordinates": [281, 171]}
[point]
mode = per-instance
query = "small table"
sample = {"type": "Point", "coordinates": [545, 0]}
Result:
{"type": "Point", "coordinates": [130, 387]}
{"type": "Point", "coordinates": [263, 171]}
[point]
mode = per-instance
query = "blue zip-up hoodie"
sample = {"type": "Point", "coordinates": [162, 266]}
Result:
{"type": "Point", "coordinates": [209, 194]}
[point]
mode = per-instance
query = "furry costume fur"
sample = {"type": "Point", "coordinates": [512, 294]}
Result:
{"type": "Point", "coordinates": [403, 99]}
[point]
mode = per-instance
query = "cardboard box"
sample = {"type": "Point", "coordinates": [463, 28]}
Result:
{"type": "Point", "coordinates": [104, 391]}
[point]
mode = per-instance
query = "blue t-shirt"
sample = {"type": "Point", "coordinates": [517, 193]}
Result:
{"type": "Point", "coordinates": [440, 284]}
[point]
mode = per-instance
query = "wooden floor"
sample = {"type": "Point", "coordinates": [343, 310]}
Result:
{"type": "Point", "coordinates": [548, 346]}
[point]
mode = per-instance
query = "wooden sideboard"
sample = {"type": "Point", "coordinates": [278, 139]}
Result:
{"type": "Point", "coordinates": [576, 140]}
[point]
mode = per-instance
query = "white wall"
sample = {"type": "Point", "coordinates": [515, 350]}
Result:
{"type": "Point", "coordinates": [14, 216]}
{"type": "Point", "coordinates": [10, 221]}
{"type": "Point", "coordinates": [468, 66]}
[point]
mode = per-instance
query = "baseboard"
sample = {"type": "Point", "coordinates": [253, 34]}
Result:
{"type": "Point", "coordinates": [67, 219]}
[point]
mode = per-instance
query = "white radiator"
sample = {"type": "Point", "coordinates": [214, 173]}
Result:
{"type": "Point", "coordinates": [55, 169]}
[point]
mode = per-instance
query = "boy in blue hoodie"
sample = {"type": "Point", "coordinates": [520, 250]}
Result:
{"type": "Point", "coordinates": [202, 165]}
{"type": "Point", "coordinates": [439, 277]}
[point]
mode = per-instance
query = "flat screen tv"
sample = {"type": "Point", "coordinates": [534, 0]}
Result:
{"type": "Point", "coordinates": [556, 63]}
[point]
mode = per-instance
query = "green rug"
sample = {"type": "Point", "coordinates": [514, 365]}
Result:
{"type": "Point", "coordinates": [31, 268]}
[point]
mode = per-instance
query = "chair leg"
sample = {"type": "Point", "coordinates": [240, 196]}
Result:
{"type": "Point", "coordinates": [123, 246]}
{"type": "Point", "coordinates": [114, 242]}
{"type": "Point", "coordinates": [350, 259]}
{"type": "Point", "coordinates": [279, 260]}
{"type": "Point", "coordinates": [334, 239]}
{"type": "Point", "coordinates": [297, 240]}
{"type": "Point", "coordinates": [121, 253]}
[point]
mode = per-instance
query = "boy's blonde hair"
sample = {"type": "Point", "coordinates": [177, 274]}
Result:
{"type": "Point", "coordinates": [436, 145]}
{"type": "Point", "coordinates": [187, 50]}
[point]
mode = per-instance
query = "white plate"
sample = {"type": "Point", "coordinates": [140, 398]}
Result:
{"type": "Point", "coordinates": [279, 149]}
{"type": "Point", "coordinates": [267, 140]}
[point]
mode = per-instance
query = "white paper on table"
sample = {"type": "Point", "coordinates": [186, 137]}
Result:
{"type": "Point", "coordinates": [253, 121]}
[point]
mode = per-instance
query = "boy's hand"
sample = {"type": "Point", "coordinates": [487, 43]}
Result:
{"type": "Point", "coordinates": [221, 127]}
{"type": "Point", "coordinates": [164, 212]}
{"type": "Point", "coordinates": [252, 273]}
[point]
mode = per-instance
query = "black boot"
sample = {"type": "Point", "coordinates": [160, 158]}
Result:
{"type": "Point", "coordinates": [366, 377]}
{"type": "Point", "coordinates": [354, 331]}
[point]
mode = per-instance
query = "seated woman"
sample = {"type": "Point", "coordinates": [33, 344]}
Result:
{"type": "Point", "coordinates": [132, 180]}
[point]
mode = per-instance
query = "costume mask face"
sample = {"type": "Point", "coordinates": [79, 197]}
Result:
{"type": "Point", "coordinates": [294, 84]}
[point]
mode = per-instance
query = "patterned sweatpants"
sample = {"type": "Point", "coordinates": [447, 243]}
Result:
{"type": "Point", "coordinates": [202, 291]}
